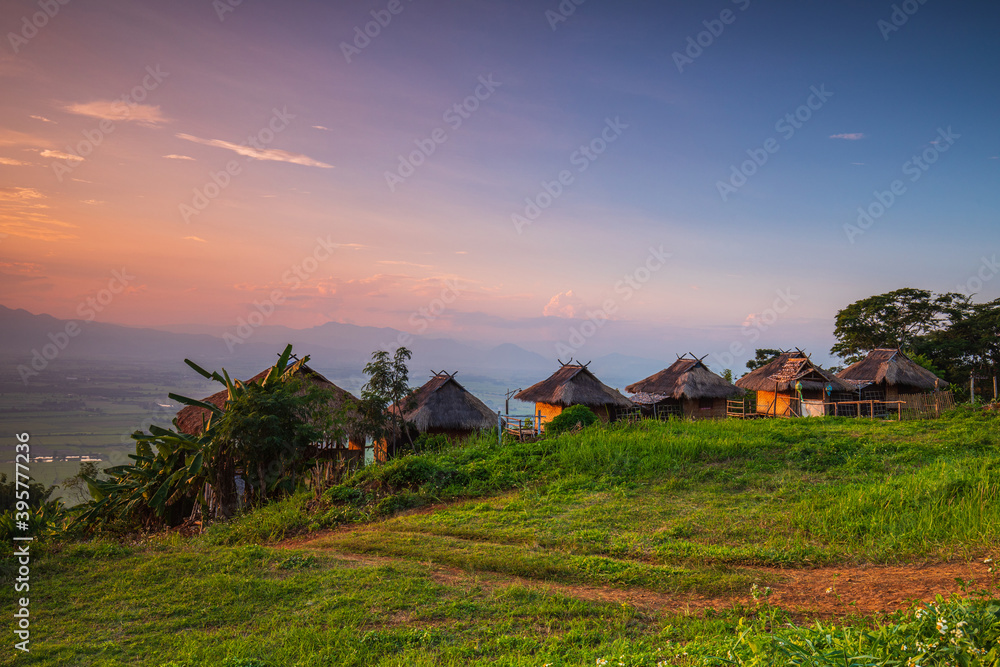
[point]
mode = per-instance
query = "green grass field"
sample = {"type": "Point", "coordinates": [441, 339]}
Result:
{"type": "Point", "coordinates": [471, 555]}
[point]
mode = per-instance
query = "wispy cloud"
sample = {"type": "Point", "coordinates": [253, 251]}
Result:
{"type": "Point", "coordinates": [272, 154]}
{"type": "Point", "coordinates": [23, 213]}
{"type": "Point", "coordinates": [178, 157]}
{"type": "Point", "coordinates": [13, 163]}
{"type": "Point", "coordinates": [144, 114]}
{"type": "Point", "coordinates": [91, 201]}
{"type": "Point", "coordinates": [42, 118]}
{"type": "Point", "coordinates": [850, 136]}
{"type": "Point", "coordinates": [321, 127]}
{"type": "Point", "coordinates": [59, 155]}
{"type": "Point", "coordinates": [194, 238]}
{"type": "Point", "coordinates": [15, 138]}
{"type": "Point", "coordinates": [396, 262]}
{"type": "Point", "coordinates": [19, 194]}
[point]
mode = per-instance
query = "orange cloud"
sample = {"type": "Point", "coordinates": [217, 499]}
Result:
{"type": "Point", "coordinates": [144, 114]}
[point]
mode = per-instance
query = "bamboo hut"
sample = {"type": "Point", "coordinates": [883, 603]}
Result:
{"type": "Point", "coordinates": [573, 384]}
{"type": "Point", "coordinates": [886, 374]}
{"type": "Point", "coordinates": [443, 406]}
{"type": "Point", "coordinates": [192, 419]}
{"type": "Point", "coordinates": [791, 385]}
{"type": "Point", "coordinates": [688, 388]}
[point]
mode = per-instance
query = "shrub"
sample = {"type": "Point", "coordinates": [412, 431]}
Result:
{"type": "Point", "coordinates": [569, 418]}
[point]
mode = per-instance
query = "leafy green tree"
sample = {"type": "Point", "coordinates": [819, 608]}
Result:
{"type": "Point", "coordinates": [762, 357]}
{"type": "Point", "coordinates": [267, 430]}
{"type": "Point", "coordinates": [895, 319]}
{"type": "Point", "coordinates": [384, 396]}
{"type": "Point", "coordinates": [971, 344]}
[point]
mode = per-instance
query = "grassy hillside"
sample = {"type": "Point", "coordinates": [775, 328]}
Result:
{"type": "Point", "coordinates": [521, 554]}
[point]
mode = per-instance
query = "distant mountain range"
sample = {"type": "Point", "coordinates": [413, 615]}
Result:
{"type": "Point", "coordinates": [338, 350]}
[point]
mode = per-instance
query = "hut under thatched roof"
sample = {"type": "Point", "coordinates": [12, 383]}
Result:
{"type": "Point", "coordinates": [687, 388]}
{"type": "Point", "coordinates": [443, 405]}
{"type": "Point", "coordinates": [573, 384]}
{"type": "Point", "coordinates": [887, 373]}
{"type": "Point", "coordinates": [191, 419]}
{"type": "Point", "coordinates": [791, 385]}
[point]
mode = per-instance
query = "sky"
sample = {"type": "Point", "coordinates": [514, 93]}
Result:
{"type": "Point", "coordinates": [578, 177]}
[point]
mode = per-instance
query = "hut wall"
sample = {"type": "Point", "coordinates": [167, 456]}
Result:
{"type": "Point", "coordinates": [692, 408]}
{"type": "Point", "coordinates": [604, 413]}
{"type": "Point", "coordinates": [766, 400]}
{"type": "Point", "coordinates": [548, 411]}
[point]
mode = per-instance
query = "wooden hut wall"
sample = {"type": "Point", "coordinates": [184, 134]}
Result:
{"type": "Point", "coordinates": [548, 411]}
{"type": "Point", "coordinates": [771, 403]}
{"type": "Point", "coordinates": [693, 408]}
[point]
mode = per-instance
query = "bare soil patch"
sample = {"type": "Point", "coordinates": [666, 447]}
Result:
{"type": "Point", "coordinates": [822, 592]}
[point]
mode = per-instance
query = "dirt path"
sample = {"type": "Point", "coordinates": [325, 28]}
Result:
{"type": "Point", "coordinates": [823, 592]}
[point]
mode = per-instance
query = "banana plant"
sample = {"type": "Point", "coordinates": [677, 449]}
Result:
{"type": "Point", "coordinates": [171, 471]}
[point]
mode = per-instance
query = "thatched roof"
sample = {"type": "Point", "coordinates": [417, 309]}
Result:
{"type": "Point", "coordinates": [787, 369]}
{"type": "Point", "coordinates": [892, 367]}
{"type": "Point", "coordinates": [444, 403]}
{"type": "Point", "coordinates": [686, 378]}
{"type": "Point", "coordinates": [191, 419]}
{"type": "Point", "coordinates": [573, 384]}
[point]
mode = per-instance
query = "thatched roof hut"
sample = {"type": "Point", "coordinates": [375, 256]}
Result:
{"type": "Point", "coordinates": [893, 372]}
{"type": "Point", "coordinates": [573, 384]}
{"type": "Point", "coordinates": [777, 384]}
{"type": "Point", "coordinates": [686, 378]}
{"type": "Point", "coordinates": [687, 387]}
{"type": "Point", "coordinates": [191, 419]}
{"type": "Point", "coordinates": [443, 405]}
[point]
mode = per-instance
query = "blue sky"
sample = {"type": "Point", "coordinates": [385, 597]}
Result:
{"type": "Point", "coordinates": [887, 94]}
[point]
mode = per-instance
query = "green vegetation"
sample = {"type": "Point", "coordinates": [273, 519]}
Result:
{"type": "Point", "coordinates": [570, 418]}
{"type": "Point", "coordinates": [521, 554]}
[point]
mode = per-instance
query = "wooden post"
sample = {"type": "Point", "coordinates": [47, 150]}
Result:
{"type": "Point", "coordinates": [972, 388]}
{"type": "Point", "coordinates": [538, 423]}
{"type": "Point", "coordinates": [994, 387]}
{"type": "Point", "coordinates": [499, 430]}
